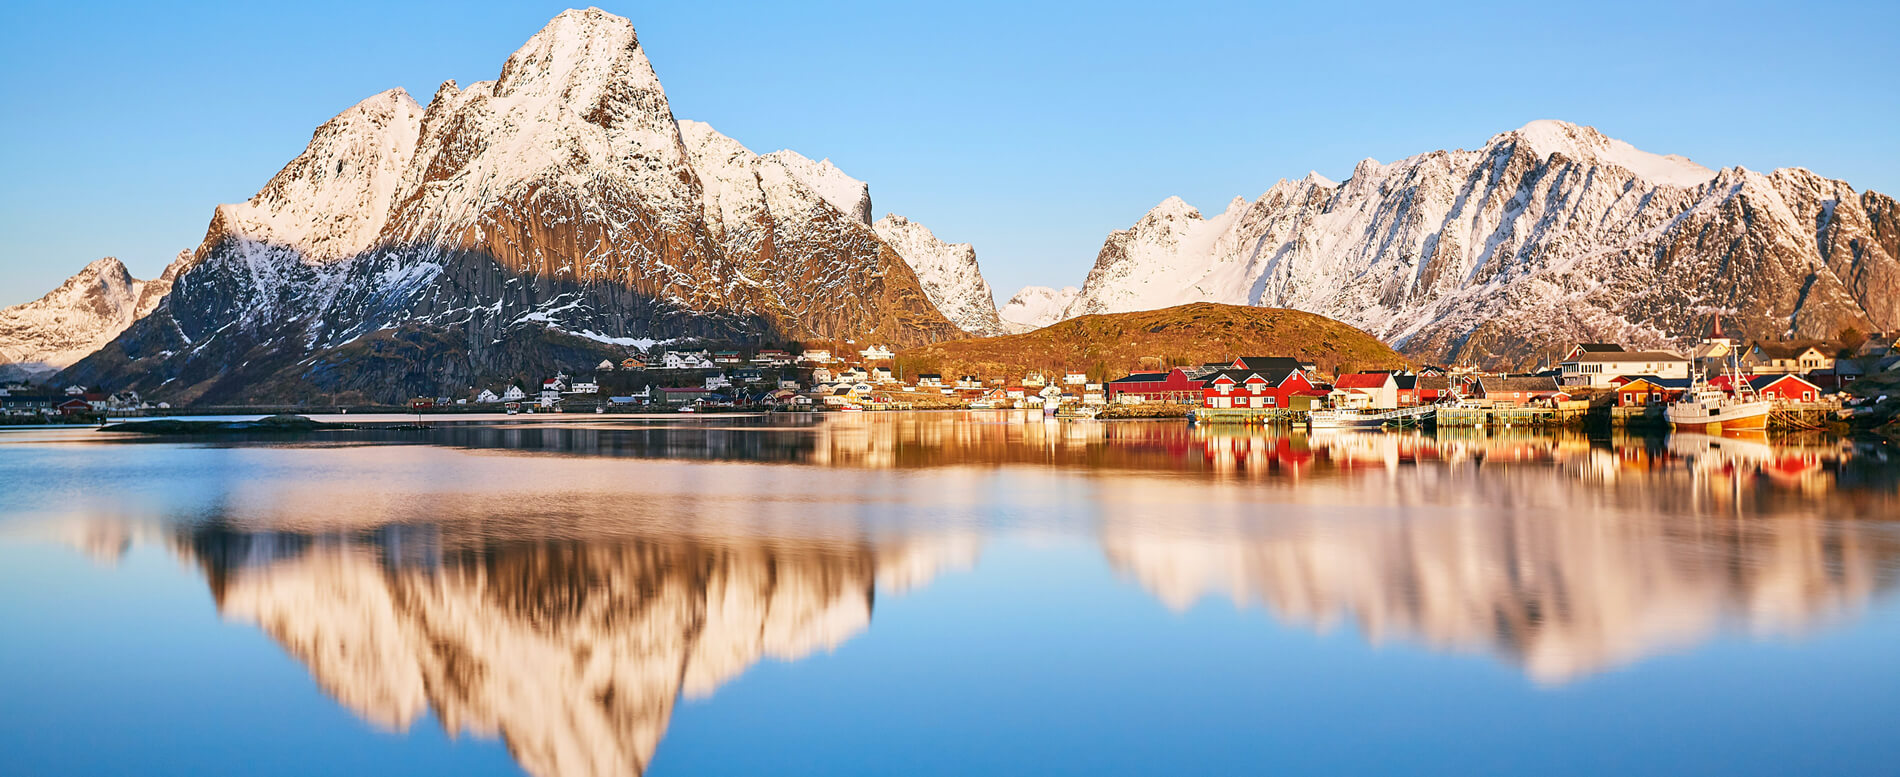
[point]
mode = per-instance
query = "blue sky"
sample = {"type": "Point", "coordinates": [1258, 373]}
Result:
{"type": "Point", "coordinates": [1030, 130]}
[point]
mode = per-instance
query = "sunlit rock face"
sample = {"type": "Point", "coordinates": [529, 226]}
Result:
{"type": "Point", "coordinates": [1549, 234]}
{"type": "Point", "coordinates": [574, 653]}
{"type": "Point", "coordinates": [551, 217]}
{"type": "Point", "coordinates": [1542, 568]}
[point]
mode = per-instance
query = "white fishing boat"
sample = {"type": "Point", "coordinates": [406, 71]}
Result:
{"type": "Point", "coordinates": [1341, 419]}
{"type": "Point", "coordinates": [1707, 407]}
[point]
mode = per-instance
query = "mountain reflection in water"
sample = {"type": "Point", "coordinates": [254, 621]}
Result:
{"type": "Point", "coordinates": [565, 602]}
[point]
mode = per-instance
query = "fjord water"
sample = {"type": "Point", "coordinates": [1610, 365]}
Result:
{"type": "Point", "coordinates": [945, 593]}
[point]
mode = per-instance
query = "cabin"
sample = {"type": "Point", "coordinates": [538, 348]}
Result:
{"type": "Point", "coordinates": [748, 375]}
{"type": "Point", "coordinates": [882, 375]}
{"type": "Point", "coordinates": [73, 406]}
{"type": "Point", "coordinates": [1600, 369]}
{"type": "Point", "coordinates": [839, 397]}
{"type": "Point", "coordinates": [584, 387]}
{"type": "Point", "coordinates": [815, 356]}
{"type": "Point", "coordinates": [1643, 390]}
{"type": "Point", "coordinates": [1251, 388]}
{"type": "Point", "coordinates": [605, 365]}
{"type": "Point", "coordinates": [772, 357]}
{"type": "Point", "coordinates": [1785, 358]}
{"type": "Point", "coordinates": [821, 375]}
{"type": "Point", "coordinates": [683, 395]}
{"type": "Point", "coordinates": [633, 363]}
{"type": "Point", "coordinates": [1015, 393]}
{"type": "Point", "coordinates": [969, 382]}
{"type": "Point", "coordinates": [1371, 390]}
{"type": "Point", "coordinates": [421, 403]}
{"type": "Point", "coordinates": [1035, 380]}
{"type": "Point", "coordinates": [1172, 386]}
{"type": "Point", "coordinates": [716, 382]}
{"type": "Point", "coordinates": [1516, 390]}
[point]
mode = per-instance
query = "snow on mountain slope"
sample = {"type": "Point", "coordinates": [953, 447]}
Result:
{"type": "Point", "coordinates": [1035, 307]}
{"type": "Point", "coordinates": [40, 337]}
{"type": "Point", "coordinates": [513, 227]}
{"type": "Point", "coordinates": [1547, 234]}
{"type": "Point", "coordinates": [849, 195]}
{"type": "Point", "coordinates": [948, 271]}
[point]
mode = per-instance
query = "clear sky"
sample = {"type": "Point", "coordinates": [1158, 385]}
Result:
{"type": "Point", "coordinates": [1030, 130]}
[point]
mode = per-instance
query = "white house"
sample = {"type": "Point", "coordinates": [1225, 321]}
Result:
{"type": "Point", "coordinates": [584, 387]}
{"type": "Point", "coordinates": [876, 353]}
{"type": "Point", "coordinates": [714, 382]}
{"type": "Point", "coordinates": [513, 394]}
{"type": "Point", "coordinates": [685, 360]}
{"type": "Point", "coordinates": [487, 397]}
{"type": "Point", "coordinates": [930, 380]}
{"type": "Point", "coordinates": [1075, 378]}
{"type": "Point", "coordinates": [881, 374]}
{"type": "Point", "coordinates": [605, 365]}
{"type": "Point", "coordinates": [1597, 369]}
{"type": "Point", "coordinates": [790, 385]}
{"type": "Point", "coordinates": [815, 356]}
{"type": "Point", "coordinates": [821, 375]}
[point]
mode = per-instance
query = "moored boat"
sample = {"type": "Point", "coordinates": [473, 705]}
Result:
{"type": "Point", "coordinates": [1707, 407]}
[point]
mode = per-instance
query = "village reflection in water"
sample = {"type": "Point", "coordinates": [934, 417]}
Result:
{"type": "Point", "coordinates": [566, 602]}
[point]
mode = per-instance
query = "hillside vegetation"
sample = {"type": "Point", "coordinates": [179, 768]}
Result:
{"type": "Point", "coordinates": [1112, 344]}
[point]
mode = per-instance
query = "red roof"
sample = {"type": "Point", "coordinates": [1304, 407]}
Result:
{"type": "Point", "coordinates": [1363, 380]}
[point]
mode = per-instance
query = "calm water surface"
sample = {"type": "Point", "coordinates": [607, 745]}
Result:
{"type": "Point", "coordinates": [945, 593]}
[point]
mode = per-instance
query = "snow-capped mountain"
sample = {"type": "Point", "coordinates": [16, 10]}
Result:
{"type": "Point", "coordinates": [948, 272]}
{"type": "Point", "coordinates": [512, 227]}
{"type": "Point", "coordinates": [1547, 234]}
{"type": "Point", "coordinates": [1035, 307]}
{"type": "Point", "coordinates": [41, 337]}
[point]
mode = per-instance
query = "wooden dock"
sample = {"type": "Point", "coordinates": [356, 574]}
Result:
{"type": "Point", "coordinates": [1269, 416]}
{"type": "Point", "coordinates": [1498, 417]}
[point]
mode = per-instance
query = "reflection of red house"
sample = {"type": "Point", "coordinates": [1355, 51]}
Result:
{"type": "Point", "coordinates": [1269, 388]}
{"type": "Point", "coordinates": [1171, 386]}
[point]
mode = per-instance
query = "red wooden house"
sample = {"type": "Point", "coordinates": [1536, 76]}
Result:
{"type": "Point", "coordinates": [1265, 388]}
{"type": "Point", "coordinates": [1778, 388]}
{"type": "Point", "coordinates": [1171, 386]}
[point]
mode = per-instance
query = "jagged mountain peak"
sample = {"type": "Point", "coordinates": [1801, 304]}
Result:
{"type": "Point", "coordinates": [1545, 137]}
{"type": "Point", "coordinates": [577, 47]}
{"type": "Point", "coordinates": [84, 312]}
{"type": "Point", "coordinates": [1550, 232]}
{"type": "Point", "coordinates": [849, 195]}
{"type": "Point", "coordinates": [1034, 307]}
{"type": "Point", "coordinates": [948, 272]}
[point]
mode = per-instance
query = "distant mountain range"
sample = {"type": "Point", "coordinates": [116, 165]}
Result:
{"type": "Point", "coordinates": [560, 214]}
{"type": "Point", "coordinates": [1549, 234]}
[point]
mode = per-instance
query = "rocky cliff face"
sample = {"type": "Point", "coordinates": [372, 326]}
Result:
{"type": "Point", "coordinates": [948, 272]}
{"type": "Point", "coordinates": [1036, 307]}
{"type": "Point", "coordinates": [1548, 234]}
{"type": "Point", "coordinates": [41, 337]}
{"type": "Point", "coordinates": [513, 226]}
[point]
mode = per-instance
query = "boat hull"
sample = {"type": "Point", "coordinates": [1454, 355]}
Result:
{"type": "Point", "coordinates": [1752, 416]}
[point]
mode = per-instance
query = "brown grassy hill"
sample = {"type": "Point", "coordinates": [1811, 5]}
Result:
{"type": "Point", "coordinates": [1118, 343]}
